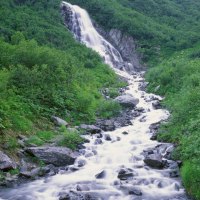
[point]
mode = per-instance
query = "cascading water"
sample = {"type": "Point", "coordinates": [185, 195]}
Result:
{"type": "Point", "coordinates": [99, 178]}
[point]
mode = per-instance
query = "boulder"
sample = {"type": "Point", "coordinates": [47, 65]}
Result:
{"type": "Point", "coordinates": [98, 141]}
{"type": "Point", "coordinates": [127, 100]}
{"type": "Point", "coordinates": [6, 163]}
{"type": "Point", "coordinates": [101, 175]}
{"type": "Point", "coordinates": [107, 137]}
{"type": "Point", "coordinates": [58, 121]}
{"type": "Point", "coordinates": [90, 128]}
{"type": "Point", "coordinates": [58, 156]}
{"type": "Point", "coordinates": [125, 174]}
{"type": "Point", "coordinates": [156, 105]}
{"type": "Point", "coordinates": [107, 125]}
{"type": "Point", "coordinates": [125, 133]}
{"type": "Point", "coordinates": [154, 161]}
{"type": "Point", "coordinates": [134, 191]}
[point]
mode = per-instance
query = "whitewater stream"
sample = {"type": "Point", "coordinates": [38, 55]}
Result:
{"type": "Point", "coordinates": [124, 151]}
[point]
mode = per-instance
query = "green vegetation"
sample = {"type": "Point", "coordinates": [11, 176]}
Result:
{"type": "Point", "coordinates": [70, 138]}
{"type": "Point", "coordinates": [179, 80]}
{"type": "Point", "coordinates": [45, 72]}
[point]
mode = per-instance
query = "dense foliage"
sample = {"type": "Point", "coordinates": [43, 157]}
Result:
{"type": "Point", "coordinates": [179, 80]}
{"type": "Point", "coordinates": [44, 72]}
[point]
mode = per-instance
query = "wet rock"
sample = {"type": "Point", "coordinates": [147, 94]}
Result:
{"type": "Point", "coordinates": [143, 85]}
{"type": "Point", "coordinates": [142, 119]}
{"type": "Point", "coordinates": [127, 100]}
{"type": "Point", "coordinates": [31, 174]}
{"type": "Point", "coordinates": [82, 188]}
{"type": "Point", "coordinates": [73, 169]}
{"type": "Point", "coordinates": [136, 114]}
{"type": "Point", "coordinates": [6, 163]}
{"type": "Point", "coordinates": [99, 135]}
{"type": "Point", "coordinates": [108, 125]}
{"type": "Point", "coordinates": [58, 121]}
{"type": "Point", "coordinates": [154, 127]}
{"type": "Point", "coordinates": [90, 128]}
{"type": "Point", "coordinates": [134, 191]}
{"type": "Point", "coordinates": [98, 141]}
{"type": "Point", "coordinates": [116, 182]}
{"type": "Point", "coordinates": [140, 110]}
{"type": "Point", "coordinates": [154, 161]}
{"type": "Point", "coordinates": [86, 140]}
{"type": "Point", "coordinates": [64, 196]}
{"type": "Point", "coordinates": [156, 105]}
{"type": "Point", "coordinates": [107, 137]}
{"type": "Point", "coordinates": [89, 154]}
{"type": "Point", "coordinates": [81, 163]}
{"type": "Point", "coordinates": [58, 156]}
{"type": "Point", "coordinates": [125, 174]}
{"type": "Point", "coordinates": [125, 133]}
{"type": "Point", "coordinates": [94, 152]}
{"type": "Point", "coordinates": [174, 173]}
{"type": "Point", "coordinates": [176, 187]}
{"type": "Point", "coordinates": [78, 195]}
{"type": "Point", "coordinates": [101, 175]}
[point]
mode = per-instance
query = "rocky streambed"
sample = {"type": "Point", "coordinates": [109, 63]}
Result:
{"type": "Point", "coordinates": [118, 161]}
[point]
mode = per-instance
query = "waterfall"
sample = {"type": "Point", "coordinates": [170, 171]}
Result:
{"type": "Point", "coordinates": [114, 169]}
{"type": "Point", "coordinates": [82, 28]}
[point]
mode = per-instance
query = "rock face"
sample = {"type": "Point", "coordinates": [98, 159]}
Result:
{"type": "Point", "coordinates": [6, 163]}
{"type": "Point", "coordinates": [127, 100]}
{"type": "Point", "coordinates": [58, 156]}
{"type": "Point", "coordinates": [127, 47]}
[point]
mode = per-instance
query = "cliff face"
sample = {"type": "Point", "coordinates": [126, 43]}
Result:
{"type": "Point", "coordinates": [127, 47]}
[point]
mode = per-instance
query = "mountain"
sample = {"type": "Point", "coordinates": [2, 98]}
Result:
{"type": "Point", "coordinates": [45, 72]}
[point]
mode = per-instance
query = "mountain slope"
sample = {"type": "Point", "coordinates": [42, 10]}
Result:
{"type": "Point", "coordinates": [45, 72]}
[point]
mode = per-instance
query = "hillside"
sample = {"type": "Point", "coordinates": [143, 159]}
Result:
{"type": "Point", "coordinates": [45, 72]}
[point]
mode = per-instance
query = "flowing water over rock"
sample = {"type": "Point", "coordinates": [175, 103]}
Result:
{"type": "Point", "coordinates": [112, 167]}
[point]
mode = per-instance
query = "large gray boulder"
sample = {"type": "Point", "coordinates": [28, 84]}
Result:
{"type": "Point", "coordinates": [154, 161]}
{"type": "Point", "coordinates": [90, 128]}
{"type": "Point", "coordinates": [58, 121]}
{"type": "Point", "coordinates": [58, 156]}
{"type": "Point", "coordinates": [6, 163]}
{"type": "Point", "coordinates": [127, 100]}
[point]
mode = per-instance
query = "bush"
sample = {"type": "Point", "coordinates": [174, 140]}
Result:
{"type": "Point", "coordinates": [190, 173]}
{"type": "Point", "coordinates": [70, 139]}
{"type": "Point", "coordinates": [109, 108]}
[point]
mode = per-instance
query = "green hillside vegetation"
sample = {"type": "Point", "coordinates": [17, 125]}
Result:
{"type": "Point", "coordinates": [167, 33]}
{"type": "Point", "coordinates": [45, 72]}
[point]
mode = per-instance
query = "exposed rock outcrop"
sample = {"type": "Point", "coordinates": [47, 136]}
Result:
{"type": "Point", "coordinates": [6, 163]}
{"type": "Point", "coordinates": [127, 100]}
{"type": "Point", "coordinates": [127, 47]}
{"type": "Point", "coordinates": [58, 156]}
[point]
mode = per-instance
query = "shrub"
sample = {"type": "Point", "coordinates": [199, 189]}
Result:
{"type": "Point", "coordinates": [70, 139]}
